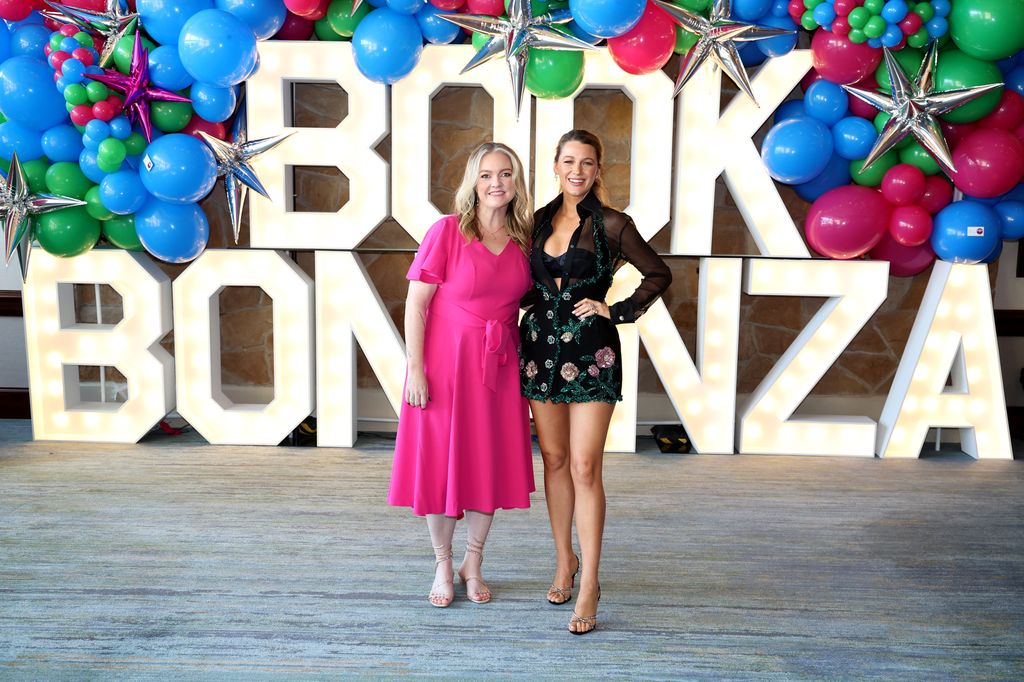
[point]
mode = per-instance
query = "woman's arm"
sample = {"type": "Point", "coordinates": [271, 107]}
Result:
{"type": "Point", "coordinates": [635, 250]}
{"type": "Point", "coordinates": [416, 303]}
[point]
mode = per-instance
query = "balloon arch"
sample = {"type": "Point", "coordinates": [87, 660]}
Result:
{"type": "Point", "coordinates": [117, 108]}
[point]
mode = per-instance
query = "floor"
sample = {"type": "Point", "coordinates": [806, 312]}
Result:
{"type": "Point", "coordinates": [179, 560]}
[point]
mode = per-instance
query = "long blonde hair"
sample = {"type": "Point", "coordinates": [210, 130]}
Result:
{"type": "Point", "coordinates": [587, 137]}
{"type": "Point", "coordinates": [520, 212]}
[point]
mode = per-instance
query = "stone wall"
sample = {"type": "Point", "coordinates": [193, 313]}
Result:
{"type": "Point", "coordinates": [462, 119]}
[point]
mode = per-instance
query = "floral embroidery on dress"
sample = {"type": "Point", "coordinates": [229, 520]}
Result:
{"type": "Point", "coordinates": [570, 371]}
{"type": "Point", "coordinates": [531, 369]}
{"type": "Point", "coordinates": [593, 370]}
{"type": "Point", "coordinates": [605, 357]}
{"type": "Point", "coordinates": [549, 363]}
{"type": "Point", "coordinates": [566, 337]}
{"type": "Point", "coordinates": [551, 339]}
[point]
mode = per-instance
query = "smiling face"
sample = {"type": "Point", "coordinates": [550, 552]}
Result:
{"type": "Point", "coordinates": [495, 183]}
{"type": "Point", "coordinates": [577, 168]}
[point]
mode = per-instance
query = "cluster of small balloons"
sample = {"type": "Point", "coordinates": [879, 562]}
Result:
{"type": "Point", "coordinates": [888, 23]}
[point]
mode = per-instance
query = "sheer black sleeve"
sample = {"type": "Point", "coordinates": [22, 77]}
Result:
{"type": "Point", "coordinates": [628, 246]}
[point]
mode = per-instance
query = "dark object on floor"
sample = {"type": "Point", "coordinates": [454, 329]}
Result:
{"type": "Point", "coordinates": [671, 438]}
{"type": "Point", "coordinates": [305, 433]}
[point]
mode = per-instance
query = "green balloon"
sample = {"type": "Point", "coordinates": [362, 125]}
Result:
{"type": "Point", "coordinates": [987, 29]}
{"type": "Point", "coordinates": [120, 231]}
{"type": "Point", "coordinates": [698, 6]}
{"type": "Point", "coordinates": [873, 174]}
{"type": "Point", "coordinates": [55, 41]}
{"type": "Point", "coordinates": [684, 40]}
{"type": "Point", "coordinates": [857, 36]}
{"type": "Point", "coordinates": [67, 232]}
{"type": "Point", "coordinates": [807, 20]}
{"type": "Point", "coordinates": [959, 70]}
{"type": "Point", "coordinates": [479, 40]}
{"type": "Point", "coordinates": [811, 4]}
{"type": "Point", "coordinates": [83, 38]}
{"type": "Point", "coordinates": [908, 58]}
{"type": "Point", "coordinates": [341, 19]}
{"type": "Point", "coordinates": [324, 32]}
{"type": "Point", "coordinates": [112, 150]}
{"type": "Point", "coordinates": [5, 165]}
{"type": "Point", "coordinates": [35, 174]}
{"type": "Point", "coordinates": [858, 17]}
{"type": "Point", "coordinates": [123, 51]}
{"type": "Point", "coordinates": [67, 179]}
{"type": "Point", "coordinates": [881, 118]}
{"type": "Point", "coordinates": [96, 91]}
{"type": "Point", "coordinates": [925, 11]}
{"type": "Point", "coordinates": [552, 74]}
{"type": "Point", "coordinates": [95, 207]}
{"type": "Point", "coordinates": [916, 155]}
{"type": "Point", "coordinates": [918, 39]}
{"type": "Point", "coordinates": [874, 6]}
{"type": "Point", "coordinates": [135, 144]}
{"type": "Point", "coordinates": [539, 7]}
{"type": "Point", "coordinates": [170, 117]}
{"type": "Point", "coordinates": [875, 27]}
{"type": "Point", "coordinates": [108, 166]}
{"type": "Point", "coordinates": [76, 93]}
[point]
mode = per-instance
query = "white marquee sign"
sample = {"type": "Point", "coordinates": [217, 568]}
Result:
{"type": "Point", "coordinates": [317, 331]}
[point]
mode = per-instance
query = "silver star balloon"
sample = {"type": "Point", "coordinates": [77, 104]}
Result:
{"type": "Point", "coordinates": [355, 6]}
{"type": "Point", "coordinates": [113, 23]}
{"type": "Point", "coordinates": [17, 207]}
{"type": "Point", "coordinates": [913, 106]}
{"type": "Point", "coordinates": [233, 163]}
{"type": "Point", "coordinates": [716, 39]}
{"type": "Point", "coordinates": [513, 37]}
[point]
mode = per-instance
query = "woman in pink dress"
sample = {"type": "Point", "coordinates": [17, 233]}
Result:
{"type": "Point", "coordinates": [463, 443]}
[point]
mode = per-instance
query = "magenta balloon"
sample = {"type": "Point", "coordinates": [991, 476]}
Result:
{"type": "Point", "coordinates": [904, 261]}
{"type": "Point", "coordinates": [841, 61]}
{"type": "Point", "coordinates": [294, 28]}
{"type": "Point", "coordinates": [937, 194]}
{"type": "Point", "coordinates": [903, 184]}
{"type": "Point", "coordinates": [648, 45]}
{"type": "Point", "coordinates": [910, 225]}
{"type": "Point", "coordinates": [988, 162]}
{"type": "Point", "coordinates": [846, 222]}
{"type": "Point", "coordinates": [1008, 114]}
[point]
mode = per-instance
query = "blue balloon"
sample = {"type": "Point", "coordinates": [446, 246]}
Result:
{"type": "Point", "coordinates": [5, 41]}
{"type": "Point", "coordinates": [97, 129]}
{"type": "Point", "coordinates": [28, 40]}
{"type": "Point", "coordinates": [965, 232]}
{"type": "Point", "coordinates": [826, 102]}
{"type": "Point", "coordinates": [791, 108]}
{"type": "Point", "coordinates": [824, 14]}
{"type": "Point", "coordinates": [1015, 80]}
{"type": "Point", "coordinates": [120, 128]}
{"type": "Point", "coordinates": [874, 42]}
{"type": "Point", "coordinates": [178, 168]}
{"type": "Point", "coordinates": [779, 45]}
{"type": "Point", "coordinates": [87, 162]}
{"type": "Point", "coordinates": [15, 137]}
{"type": "Point", "coordinates": [836, 174]}
{"type": "Point", "coordinates": [894, 11]}
{"type": "Point", "coordinates": [163, 19]}
{"type": "Point", "coordinates": [780, 8]}
{"type": "Point", "coordinates": [33, 17]}
{"type": "Point", "coordinates": [387, 45]}
{"type": "Point", "coordinates": [797, 150]}
{"type": "Point", "coordinates": [937, 27]}
{"type": "Point", "coordinates": [1011, 214]}
{"type": "Point", "coordinates": [750, 55]}
{"type": "Point", "coordinates": [994, 255]}
{"type": "Point", "coordinates": [62, 143]}
{"type": "Point", "coordinates": [892, 36]}
{"type": "Point", "coordinates": [264, 17]}
{"type": "Point", "coordinates": [941, 7]}
{"type": "Point", "coordinates": [218, 48]}
{"type": "Point", "coordinates": [750, 10]}
{"type": "Point", "coordinates": [123, 192]}
{"type": "Point", "coordinates": [72, 71]}
{"type": "Point", "coordinates": [27, 94]}
{"type": "Point", "coordinates": [406, 6]}
{"type": "Point", "coordinates": [166, 70]}
{"type": "Point", "coordinates": [213, 103]}
{"type": "Point", "coordinates": [435, 30]}
{"type": "Point", "coordinates": [607, 18]}
{"type": "Point", "coordinates": [853, 137]}
{"type": "Point", "coordinates": [175, 233]}
{"type": "Point", "coordinates": [575, 29]}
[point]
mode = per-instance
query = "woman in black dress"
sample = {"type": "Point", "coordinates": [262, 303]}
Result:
{"type": "Point", "coordinates": [571, 365]}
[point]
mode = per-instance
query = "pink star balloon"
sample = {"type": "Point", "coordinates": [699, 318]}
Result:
{"type": "Point", "coordinates": [135, 87]}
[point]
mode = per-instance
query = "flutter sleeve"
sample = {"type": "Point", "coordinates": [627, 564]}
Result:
{"type": "Point", "coordinates": [431, 259]}
{"type": "Point", "coordinates": [634, 249]}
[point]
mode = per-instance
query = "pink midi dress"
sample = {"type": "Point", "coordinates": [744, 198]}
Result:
{"type": "Point", "coordinates": [469, 449]}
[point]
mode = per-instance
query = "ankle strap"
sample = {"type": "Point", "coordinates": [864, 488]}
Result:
{"type": "Point", "coordinates": [442, 553]}
{"type": "Point", "coordinates": [475, 546]}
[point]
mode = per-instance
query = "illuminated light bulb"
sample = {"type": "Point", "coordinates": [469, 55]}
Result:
{"type": "Point", "coordinates": [753, 429]}
{"type": "Point", "coordinates": [808, 357]}
{"type": "Point", "coordinates": [53, 359]}
{"type": "Point", "coordinates": [720, 305]}
{"type": "Point", "coordinates": [922, 372]}
{"type": "Point", "coordinates": [788, 383]}
{"type": "Point", "coordinates": [910, 404]}
{"type": "Point", "coordinates": [717, 275]}
{"type": "Point", "coordinates": [970, 341]}
{"type": "Point", "coordinates": [930, 403]}
{"type": "Point", "coordinates": [50, 325]}
{"type": "Point", "coordinates": [714, 338]}
{"type": "Point", "coordinates": [957, 276]}
{"type": "Point", "coordinates": [975, 374]}
{"type": "Point", "coordinates": [679, 382]}
{"type": "Point", "coordinates": [61, 419]}
{"type": "Point", "coordinates": [978, 406]}
{"type": "Point", "coordinates": [714, 370]}
{"type": "Point", "coordinates": [118, 344]}
{"type": "Point", "coordinates": [768, 403]}
{"type": "Point", "coordinates": [55, 388]}
{"type": "Point", "coordinates": [91, 419]}
{"type": "Point", "coordinates": [48, 296]}
{"type": "Point", "coordinates": [982, 437]}
{"type": "Point", "coordinates": [964, 311]}
{"type": "Point", "coordinates": [899, 434]}
{"type": "Point", "coordinates": [694, 406]}
{"type": "Point", "coordinates": [827, 331]}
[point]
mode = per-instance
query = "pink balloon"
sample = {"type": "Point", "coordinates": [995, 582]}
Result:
{"type": "Point", "coordinates": [844, 7]}
{"type": "Point", "coordinates": [197, 123]}
{"type": "Point", "coordinates": [859, 107]}
{"type": "Point", "coordinates": [988, 162]}
{"type": "Point", "coordinates": [937, 194]}
{"type": "Point", "coordinates": [15, 10]}
{"type": "Point", "coordinates": [308, 9]}
{"type": "Point", "coordinates": [809, 79]}
{"type": "Point", "coordinates": [294, 28]}
{"type": "Point", "coordinates": [903, 184]}
{"type": "Point", "coordinates": [841, 61]}
{"type": "Point", "coordinates": [1008, 114]}
{"type": "Point", "coordinates": [648, 45]}
{"type": "Point", "coordinates": [447, 5]}
{"type": "Point", "coordinates": [904, 261]}
{"type": "Point", "coordinates": [956, 132]}
{"type": "Point", "coordinates": [910, 225]}
{"type": "Point", "coordinates": [491, 7]}
{"type": "Point", "coordinates": [847, 221]}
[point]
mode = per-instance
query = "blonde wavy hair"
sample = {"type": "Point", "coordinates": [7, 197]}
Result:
{"type": "Point", "coordinates": [520, 211]}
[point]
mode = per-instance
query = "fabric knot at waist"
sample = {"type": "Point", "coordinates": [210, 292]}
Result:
{"type": "Point", "coordinates": [498, 335]}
